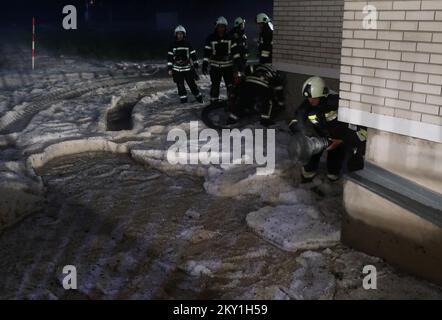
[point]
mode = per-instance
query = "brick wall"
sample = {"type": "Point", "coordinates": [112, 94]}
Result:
{"type": "Point", "coordinates": [394, 71]}
{"type": "Point", "coordinates": [308, 33]}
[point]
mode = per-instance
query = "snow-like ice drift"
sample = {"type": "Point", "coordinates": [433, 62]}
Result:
{"type": "Point", "coordinates": [292, 217]}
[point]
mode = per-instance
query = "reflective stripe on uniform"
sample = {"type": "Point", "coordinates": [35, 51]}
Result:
{"type": "Point", "coordinates": [265, 54]}
{"type": "Point", "coordinates": [294, 121]}
{"type": "Point", "coordinates": [267, 116]}
{"type": "Point", "coordinates": [313, 119]}
{"type": "Point", "coordinates": [257, 80]}
{"type": "Point", "coordinates": [330, 116]}
{"type": "Point", "coordinates": [362, 135]}
{"type": "Point", "coordinates": [181, 69]}
{"type": "Point", "coordinates": [221, 64]}
{"type": "Point", "coordinates": [236, 56]}
{"type": "Point", "coordinates": [170, 53]}
{"type": "Point", "coordinates": [308, 174]}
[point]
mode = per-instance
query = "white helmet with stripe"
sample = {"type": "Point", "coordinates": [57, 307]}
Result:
{"type": "Point", "coordinates": [180, 28]}
{"type": "Point", "coordinates": [221, 21]}
{"type": "Point", "coordinates": [239, 21]}
{"type": "Point", "coordinates": [315, 87]}
{"type": "Point", "coordinates": [262, 18]}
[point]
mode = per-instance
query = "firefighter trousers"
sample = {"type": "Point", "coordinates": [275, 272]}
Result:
{"type": "Point", "coordinates": [217, 74]}
{"type": "Point", "coordinates": [189, 77]}
{"type": "Point", "coordinates": [335, 161]}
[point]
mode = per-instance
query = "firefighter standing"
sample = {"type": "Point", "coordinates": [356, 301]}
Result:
{"type": "Point", "coordinates": [265, 42]}
{"type": "Point", "coordinates": [261, 89]}
{"type": "Point", "coordinates": [319, 111]}
{"type": "Point", "coordinates": [182, 63]}
{"type": "Point", "coordinates": [240, 46]}
{"type": "Point", "coordinates": [218, 54]}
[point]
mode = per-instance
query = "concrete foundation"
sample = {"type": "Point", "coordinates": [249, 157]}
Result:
{"type": "Point", "coordinates": [414, 159]}
{"type": "Point", "coordinates": [382, 228]}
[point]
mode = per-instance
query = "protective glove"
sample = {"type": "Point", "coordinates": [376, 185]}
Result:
{"type": "Point", "coordinates": [196, 66]}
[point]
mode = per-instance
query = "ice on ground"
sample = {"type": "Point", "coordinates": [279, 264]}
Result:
{"type": "Point", "coordinates": [290, 216]}
{"type": "Point", "coordinates": [21, 193]}
{"type": "Point", "coordinates": [313, 280]}
{"type": "Point", "coordinates": [337, 274]}
{"type": "Point", "coordinates": [294, 228]}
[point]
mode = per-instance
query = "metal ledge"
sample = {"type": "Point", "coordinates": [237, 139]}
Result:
{"type": "Point", "coordinates": [421, 201]}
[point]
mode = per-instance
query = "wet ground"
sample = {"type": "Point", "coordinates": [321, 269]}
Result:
{"type": "Point", "coordinates": [133, 232]}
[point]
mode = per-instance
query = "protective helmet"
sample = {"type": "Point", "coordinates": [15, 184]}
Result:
{"type": "Point", "coordinates": [221, 21]}
{"type": "Point", "coordinates": [262, 18]}
{"type": "Point", "coordinates": [315, 87]}
{"type": "Point", "coordinates": [239, 21]}
{"type": "Point", "coordinates": [180, 28]}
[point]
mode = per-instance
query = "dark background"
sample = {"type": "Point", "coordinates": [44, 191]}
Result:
{"type": "Point", "coordinates": [131, 29]}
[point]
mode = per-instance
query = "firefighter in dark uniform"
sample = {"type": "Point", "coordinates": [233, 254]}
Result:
{"type": "Point", "coordinates": [219, 55]}
{"type": "Point", "coordinates": [319, 114]}
{"type": "Point", "coordinates": [182, 63]}
{"type": "Point", "coordinates": [240, 46]}
{"type": "Point", "coordinates": [261, 89]}
{"type": "Point", "coordinates": [265, 42]}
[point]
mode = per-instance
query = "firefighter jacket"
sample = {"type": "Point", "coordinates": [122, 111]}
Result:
{"type": "Point", "coordinates": [324, 121]}
{"type": "Point", "coordinates": [266, 77]}
{"type": "Point", "coordinates": [181, 56]}
{"type": "Point", "coordinates": [218, 51]}
{"type": "Point", "coordinates": [240, 49]}
{"type": "Point", "coordinates": [265, 44]}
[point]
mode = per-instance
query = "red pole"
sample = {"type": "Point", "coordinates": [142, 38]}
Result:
{"type": "Point", "coordinates": [33, 43]}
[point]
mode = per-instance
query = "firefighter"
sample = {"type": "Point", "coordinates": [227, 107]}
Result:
{"type": "Point", "coordinates": [319, 114]}
{"type": "Point", "coordinates": [260, 89]}
{"type": "Point", "coordinates": [239, 46]}
{"type": "Point", "coordinates": [182, 63]}
{"type": "Point", "coordinates": [265, 42]}
{"type": "Point", "coordinates": [218, 54]}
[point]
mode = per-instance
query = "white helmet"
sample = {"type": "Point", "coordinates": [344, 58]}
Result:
{"type": "Point", "coordinates": [180, 28]}
{"type": "Point", "coordinates": [262, 18]}
{"type": "Point", "coordinates": [315, 87]}
{"type": "Point", "coordinates": [239, 21]}
{"type": "Point", "coordinates": [221, 21]}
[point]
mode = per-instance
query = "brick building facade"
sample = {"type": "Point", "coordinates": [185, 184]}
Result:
{"type": "Point", "coordinates": [389, 75]}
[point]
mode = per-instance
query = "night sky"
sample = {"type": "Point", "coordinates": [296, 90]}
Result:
{"type": "Point", "coordinates": [49, 11]}
{"type": "Point", "coordinates": [132, 29]}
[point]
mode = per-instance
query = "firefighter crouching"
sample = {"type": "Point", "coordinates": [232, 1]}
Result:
{"type": "Point", "coordinates": [261, 90]}
{"type": "Point", "coordinates": [319, 113]}
{"type": "Point", "coordinates": [182, 63]}
{"type": "Point", "coordinates": [218, 54]}
{"type": "Point", "coordinates": [265, 42]}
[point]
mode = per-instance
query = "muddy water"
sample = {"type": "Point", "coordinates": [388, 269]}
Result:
{"type": "Point", "coordinates": [133, 232]}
